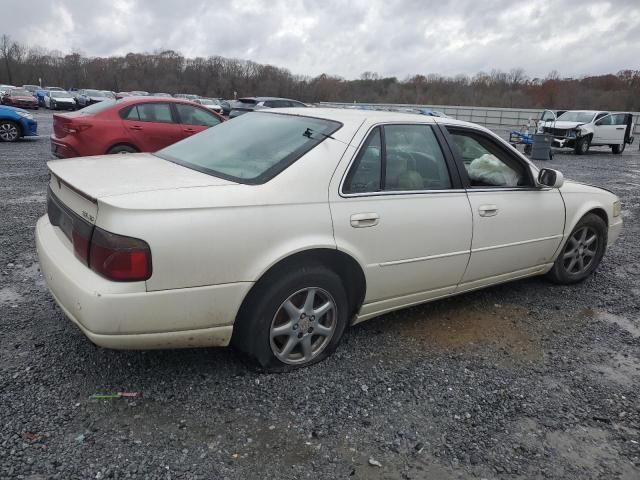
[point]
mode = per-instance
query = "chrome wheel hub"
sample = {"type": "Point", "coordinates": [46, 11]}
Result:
{"type": "Point", "coordinates": [8, 132]}
{"type": "Point", "coordinates": [580, 251]}
{"type": "Point", "coordinates": [303, 326]}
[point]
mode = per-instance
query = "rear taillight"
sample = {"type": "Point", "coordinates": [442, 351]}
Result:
{"type": "Point", "coordinates": [81, 238]}
{"type": "Point", "coordinates": [72, 128]}
{"type": "Point", "coordinates": [119, 258]}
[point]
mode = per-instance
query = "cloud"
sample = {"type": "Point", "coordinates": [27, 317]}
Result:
{"type": "Point", "coordinates": [391, 37]}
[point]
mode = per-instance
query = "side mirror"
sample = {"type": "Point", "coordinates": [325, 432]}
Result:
{"type": "Point", "coordinates": [550, 178]}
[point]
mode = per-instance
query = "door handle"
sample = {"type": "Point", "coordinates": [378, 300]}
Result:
{"type": "Point", "coordinates": [620, 128]}
{"type": "Point", "coordinates": [488, 210]}
{"type": "Point", "coordinates": [136, 127]}
{"type": "Point", "coordinates": [362, 220]}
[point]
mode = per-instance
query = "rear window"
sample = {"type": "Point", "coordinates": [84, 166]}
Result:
{"type": "Point", "coordinates": [249, 101]}
{"type": "Point", "coordinates": [99, 107]}
{"type": "Point", "coordinates": [253, 148]}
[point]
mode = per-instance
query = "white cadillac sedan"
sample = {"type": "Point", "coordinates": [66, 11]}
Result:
{"type": "Point", "coordinates": [277, 230]}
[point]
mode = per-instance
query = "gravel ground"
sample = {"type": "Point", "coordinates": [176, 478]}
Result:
{"type": "Point", "coordinates": [526, 380]}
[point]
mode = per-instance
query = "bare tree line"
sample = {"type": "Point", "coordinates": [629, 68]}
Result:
{"type": "Point", "coordinates": [215, 76]}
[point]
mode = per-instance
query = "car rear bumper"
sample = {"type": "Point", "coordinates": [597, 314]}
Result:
{"type": "Point", "coordinates": [125, 315]}
{"type": "Point", "coordinates": [60, 149]}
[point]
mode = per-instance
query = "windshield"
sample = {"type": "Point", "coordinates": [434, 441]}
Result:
{"type": "Point", "coordinates": [207, 102]}
{"type": "Point", "coordinates": [60, 95]}
{"type": "Point", "coordinates": [20, 92]}
{"type": "Point", "coordinates": [252, 148]}
{"type": "Point", "coordinates": [93, 93]}
{"type": "Point", "coordinates": [108, 94]}
{"type": "Point", "coordinates": [582, 117]}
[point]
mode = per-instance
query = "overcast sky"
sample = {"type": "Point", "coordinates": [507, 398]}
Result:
{"type": "Point", "coordinates": [347, 38]}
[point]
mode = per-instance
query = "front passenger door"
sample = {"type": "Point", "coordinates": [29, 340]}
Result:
{"type": "Point", "coordinates": [604, 131]}
{"type": "Point", "coordinates": [517, 227]}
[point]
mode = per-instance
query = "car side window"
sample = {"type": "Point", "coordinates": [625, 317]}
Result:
{"type": "Point", "coordinates": [606, 120]}
{"type": "Point", "coordinates": [409, 158]}
{"type": "Point", "coordinates": [130, 113]}
{"type": "Point", "coordinates": [600, 115]}
{"type": "Point", "coordinates": [486, 163]}
{"type": "Point", "coordinates": [414, 160]}
{"type": "Point", "coordinates": [196, 116]}
{"type": "Point", "coordinates": [365, 173]}
{"type": "Point", "coordinates": [619, 119]}
{"type": "Point", "coordinates": [155, 112]}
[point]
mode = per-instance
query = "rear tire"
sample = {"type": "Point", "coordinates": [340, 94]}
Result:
{"type": "Point", "coordinates": [618, 149]}
{"type": "Point", "coordinates": [582, 253]}
{"type": "Point", "coordinates": [282, 310]}
{"type": "Point", "coordinates": [582, 146]}
{"type": "Point", "coordinates": [9, 131]}
{"type": "Point", "coordinates": [122, 149]}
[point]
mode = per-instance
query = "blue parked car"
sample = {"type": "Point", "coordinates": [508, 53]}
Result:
{"type": "Point", "coordinates": [16, 123]}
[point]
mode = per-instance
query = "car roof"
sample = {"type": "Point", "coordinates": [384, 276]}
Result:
{"type": "Point", "coordinates": [591, 112]}
{"type": "Point", "coordinates": [353, 115]}
{"type": "Point", "coordinates": [147, 98]}
{"type": "Point", "coordinates": [262, 99]}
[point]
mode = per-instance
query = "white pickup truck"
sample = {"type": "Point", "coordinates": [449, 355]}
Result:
{"type": "Point", "coordinates": [581, 129]}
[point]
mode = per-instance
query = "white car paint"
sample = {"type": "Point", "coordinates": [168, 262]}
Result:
{"type": "Point", "coordinates": [63, 102]}
{"type": "Point", "coordinates": [212, 239]}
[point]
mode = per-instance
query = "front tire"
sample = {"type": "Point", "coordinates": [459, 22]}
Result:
{"type": "Point", "coordinates": [9, 131]}
{"type": "Point", "coordinates": [618, 149]}
{"type": "Point", "coordinates": [582, 146]}
{"type": "Point", "coordinates": [582, 253]}
{"type": "Point", "coordinates": [293, 319]}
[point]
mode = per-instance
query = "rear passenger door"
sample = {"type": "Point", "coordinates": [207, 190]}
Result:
{"type": "Point", "coordinates": [194, 119]}
{"type": "Point", "coordinates": [398, 207]}
{"type": "Point", "coordinates": [151, 126]}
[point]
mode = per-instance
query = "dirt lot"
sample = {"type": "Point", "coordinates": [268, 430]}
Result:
{"type": "Point", "coordinates": [522, 381]}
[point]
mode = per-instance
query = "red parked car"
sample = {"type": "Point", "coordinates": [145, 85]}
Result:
{"type": "Point", "coordinates": [128, 125]}
{"type": "Point", "coordinates": [19, 97]}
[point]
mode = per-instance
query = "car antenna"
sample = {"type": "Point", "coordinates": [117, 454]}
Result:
{"type": "Point", "coordinates": [308, 132]}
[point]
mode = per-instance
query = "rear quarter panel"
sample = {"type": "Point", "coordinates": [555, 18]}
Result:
{"type": "Point", "coordinates": [223, 234]}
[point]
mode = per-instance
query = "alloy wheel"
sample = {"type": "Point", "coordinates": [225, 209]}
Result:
{"type": "Point", "coordinates": [303, 326]}
{"type": "Point", "coordinates": [580, 251]}
{"type": "Point", "coordinates": [8, 132]}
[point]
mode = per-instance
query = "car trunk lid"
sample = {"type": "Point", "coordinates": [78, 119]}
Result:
{"type": "Point", "coordinates": [109, 175]}
{"type": "Point", "coordinates": [69, 123]}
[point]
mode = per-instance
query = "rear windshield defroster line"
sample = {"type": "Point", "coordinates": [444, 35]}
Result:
{"type": "Point", "coordinates": [253, 148]}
